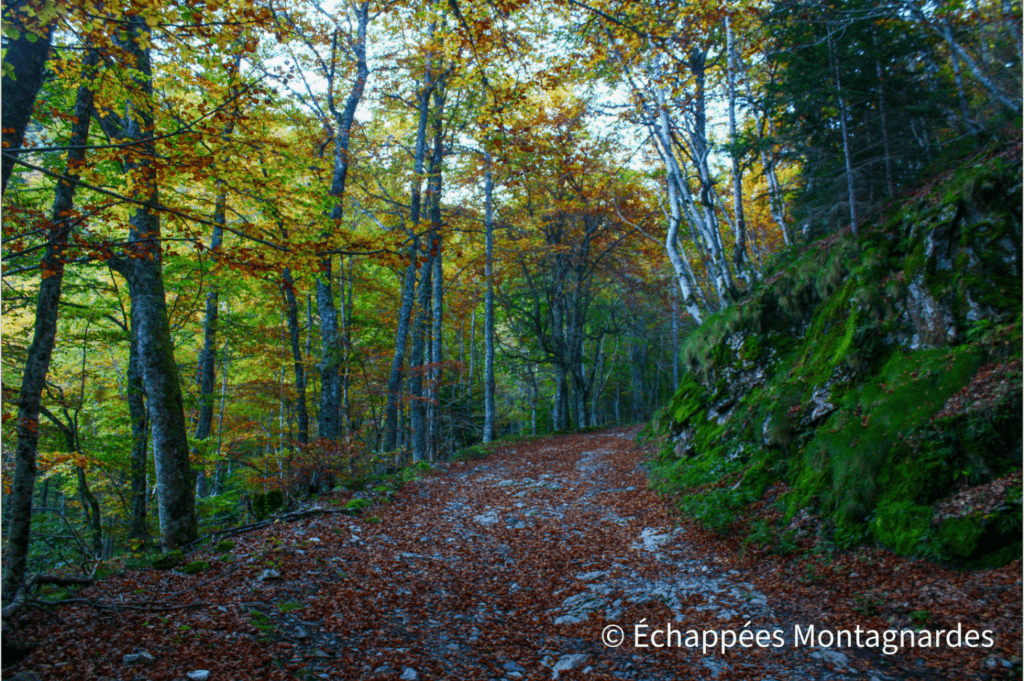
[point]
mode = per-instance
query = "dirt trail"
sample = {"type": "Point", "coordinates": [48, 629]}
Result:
{"type": "Point", "coordinates": [506, 568]}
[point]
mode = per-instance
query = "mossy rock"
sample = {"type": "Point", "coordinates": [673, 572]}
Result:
{"type": "Point", "coordinates": [194, 567]}
{"type": "Point", "coordinates": [169, 560]}
{"type": "Point", "coordinates": [757, 478]}
{"type": "Point", "coordinates": [471, 453]}
{"type": "Point", "coordinates": [358, 504]}
{"type": "Point", "coordinates": [902, 525]}
{"type": "Point", "coordinates": [959, 536]}
{"type": "Point", "coordinates": [225, 545]}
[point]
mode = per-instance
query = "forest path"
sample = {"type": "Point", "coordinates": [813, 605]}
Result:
{"type": "Point", "coordinates": [506, 568]}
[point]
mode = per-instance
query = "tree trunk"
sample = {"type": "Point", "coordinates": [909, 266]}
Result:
{"type": "Point", "coordinates": [489, 415]}
{"type": "Point", "coordinates": [398, 360]}
{"type": "Point", "coordinates": [138, 528]}
{"type": "Point", "coordinates": [206, 373]}
{"type": "Point", "coordinates": [24, 64]}
{"type": "Point", "coordinates": [143, 270]}
{"type": "Point", "coordinates": [437, 318]}
{"type": "Point", "coordinates": [740, 257]}
{"type": "Point", "coordinates": [37, 363]}
{"type": "Point", "coordinates": [847, 155]}
{"type": "Point", "coordinates": [890, 183]}
{"type": "Point", "coordinates": [330, 342]}
{"type": "Point", "coordinates": [292, 313]}
{"type": "Point", "coordinates": [409, 285]}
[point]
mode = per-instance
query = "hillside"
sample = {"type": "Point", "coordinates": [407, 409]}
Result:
{"type": "Point", "coordinates": [869, 391]}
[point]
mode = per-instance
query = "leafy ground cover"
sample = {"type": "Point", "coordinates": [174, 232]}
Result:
{"type": "Point", "coordinates": [511, 567]}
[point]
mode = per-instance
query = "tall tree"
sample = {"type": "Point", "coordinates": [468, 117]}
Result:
{"type": "Point", "coordinates": [37, 364]}
{"type": "Point", "coordinates": [28, 29]}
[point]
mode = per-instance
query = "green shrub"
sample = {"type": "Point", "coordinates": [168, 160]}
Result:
{"type": "Point", "coordinates": [265, 504]}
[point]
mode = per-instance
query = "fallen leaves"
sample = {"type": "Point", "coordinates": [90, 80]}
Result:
{"type": "Point", "coordinates": [469, 568]}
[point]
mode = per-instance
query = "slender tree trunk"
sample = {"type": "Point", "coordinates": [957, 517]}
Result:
{"type": "Point", "coordinates": [847, 155]}
{"type": "Point", "coordinates": [684, 277]}
{"type": "Point", "coordinates": [292, 313]}
{"type": "Point", "coordinates": [222, 480]}
{"type": "Point", "coordinates": [391, 419]}
{"type": "Point", "coordinates": [206, 374]}
{"type": "Point", "coordinates": [330, 342]}
{"type": "Point", "coordinates": [37, 363]}
{"type": "Point", "coordinates": [675, 342]}
{"type": "Point", "coordinates": [138, 528]}
{"type": "Point", "coordinates": [417, 403]}
{"type": "Point", "coordinates": [437, 338]}
{"type": "Point", "coordinates": [472, 352]}
{"type": "Point", "coordinates": [489, 385]}
{"type": "Point", "coordinates": [890, 182]}
{"type": "Point", "coordinates": [25, 52]}
{"type": "Point", "coordinates": [740, 256]}
{"type": "Point", "coordinates": [1011, 104]}
{"type": "Point", "coordinates": [409, 285]}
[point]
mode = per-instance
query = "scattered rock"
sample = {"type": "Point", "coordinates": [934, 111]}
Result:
{"type": "Point", "coordinates": [198, 675]}
{"type": "Point", "coordinates": [833, 658]}
{"type": "Point", "coordinates": [384, 670]}
{"type": "Point", "coordinates": [26, 676]}
{"type": "Point", "coordinates": [269, 575]}
{"type": "Point", "coordinates": [409, 674]}
{"type": "Point", "coordinates": [139, 658]}
{"type": "Point", "coordinates": [567, 662]}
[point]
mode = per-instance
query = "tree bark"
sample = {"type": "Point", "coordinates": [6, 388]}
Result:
{"type": "Point", "coordinates": [25, 59]}
{"type": "Point", "coordinates": [37, 363]}
{"type": "Point", "coordinates": [138, 527]}
{"type": "Point", "coordinates": [740, 256]}
{"type": "Point", "coordinates": [330, 342]}
{"type": "Point", "coordinates": [292, 313]}
{"type": "Point", "coordinates": [437, 314]}
{"type": "Point", "coordinates": [847, 155]}
{"type": "Point", "coordinates": [206, 370]}
{"type": "Point", "coordinates": [489, 415]}
{"type": "Point", "coordinates": [143, 269]}
{"type": "Point", "coordinates": [409, 284]}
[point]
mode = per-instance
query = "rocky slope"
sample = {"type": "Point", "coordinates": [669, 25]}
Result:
{"type": "Point", "coordinates": [875, 381]}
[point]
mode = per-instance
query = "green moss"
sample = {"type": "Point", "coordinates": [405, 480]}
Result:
{"type": "Point", "coordinates": [169, 560]}
{"type": "Point", "coordinates": [834, 315]}
{"type": "Point", "coordinates": [959, 536]}
{"type": "Point", "coordinates": [225, 545]}
{"type": "Point", "coordinates": [757, 478]}
{"type": "Point", "coordinates": [194, 567]}
{"type": "Point", "coordinates": [901, 525]}
{"type": "Point", "coordinates": [358, 504]}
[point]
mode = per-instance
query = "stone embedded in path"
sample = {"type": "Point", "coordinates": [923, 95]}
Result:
{"type": "Point", "coordinates": [409, 674]}
{"type": "Point", "coordinates": [567, 662]}
{"type": "Point", "coordinates": [139, 658]}
{"type": "Point", "coordinates": [269, 575]}
{"type": "Point", "coordinates": [198, 675]}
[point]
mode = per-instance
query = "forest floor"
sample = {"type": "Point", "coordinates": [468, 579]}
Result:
{"type": "Point", "coordinates": [513, 567]}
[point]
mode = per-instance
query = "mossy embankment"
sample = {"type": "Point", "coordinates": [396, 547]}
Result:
{"type": "Point", "coordinates": [870, 385]}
